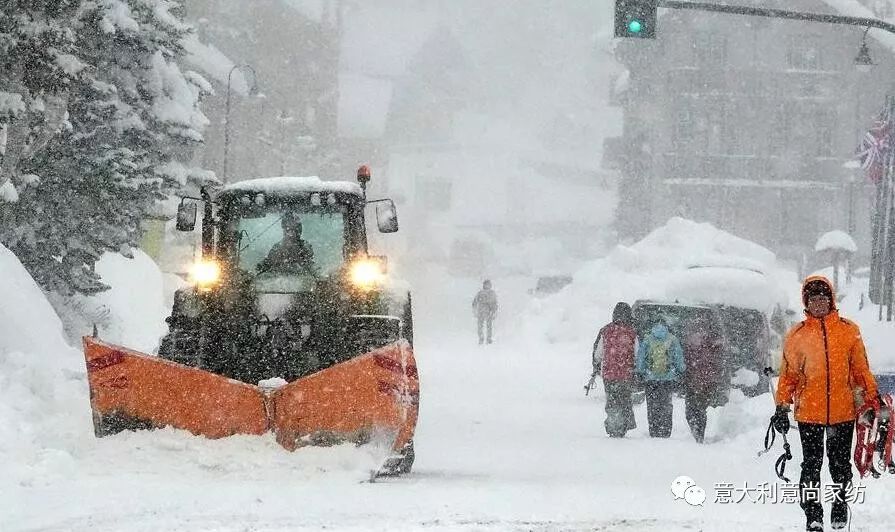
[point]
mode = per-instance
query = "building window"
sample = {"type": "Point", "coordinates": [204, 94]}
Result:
{"type": "Point", "coordinates": [683, 128]}
{"type": "Point", "coordinates": [717, 131]}
{"type": "Point", "coordinates": [824, 127]}
{"type": "Point", "coordinates": [780, 131]}
{"type": "Point", "coordinates": [433, 193]}
{"type": "Point", "coordinates": [803, 53]}
{"type": "Point", "coordinates": [709, 49]}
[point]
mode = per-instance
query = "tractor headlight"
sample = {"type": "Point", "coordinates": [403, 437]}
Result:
{"type": "Point", "coordinates": [205, 273]}
{"type": "Point", "coordinates": [367, 273]}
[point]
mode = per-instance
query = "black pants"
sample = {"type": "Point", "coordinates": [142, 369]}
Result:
{"type": "Point", "coordinates": [485, 322]}
{"type": "Point", "coordinates": [619, 408]}
{"type": "Point", "coordinates": [839, 440]}
{"type": "Point", "coordinates": [658, 408]}
{"type": "Point", "coordinates": [697, 401]}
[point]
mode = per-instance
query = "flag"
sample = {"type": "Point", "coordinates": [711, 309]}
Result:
{"type": "Point", "coordinates": [875, 145]}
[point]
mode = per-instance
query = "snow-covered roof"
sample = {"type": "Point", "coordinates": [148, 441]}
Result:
{"type": "Point", "coordinates": [836, 241]}
{"type": "Point", "coordinates": [288, 185]}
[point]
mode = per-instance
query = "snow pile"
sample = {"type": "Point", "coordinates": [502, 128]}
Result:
{"type": "Point", "coordinates": [132, 312]}
{"type": "Point", "coordinates": [836, 241]}
{"type": "Point", "coordinates": [43, 391]}
{"type": "Point", "coordinates": [28, 322]}
{"type": "Point", "coordinates": [681, 261]}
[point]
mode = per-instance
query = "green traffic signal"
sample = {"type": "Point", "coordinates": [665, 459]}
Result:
{"type": "Point", "coordinates": [636, 18]}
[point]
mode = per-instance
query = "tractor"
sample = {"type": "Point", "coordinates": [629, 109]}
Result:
{"type": "Point", "coordinates": [288, 326]}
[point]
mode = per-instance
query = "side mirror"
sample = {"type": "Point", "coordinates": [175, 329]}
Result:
{"type": "Point", "coordinates": [186, 216]}
{"type": "Point", "coordinates": [387, 217]}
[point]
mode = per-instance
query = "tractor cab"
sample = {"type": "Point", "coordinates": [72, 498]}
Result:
{"type": "Point", "coordinates": [285, 286]}
{"type": "Point", "coordinates": [287, 233]}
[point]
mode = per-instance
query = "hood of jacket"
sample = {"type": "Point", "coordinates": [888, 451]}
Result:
{"type": "Point", "coordinates": [822, 279]}
{"type": "Point", "coordinates": [659, 331]}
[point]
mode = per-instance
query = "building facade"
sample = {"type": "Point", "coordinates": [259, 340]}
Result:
{"type": "Point", "coordinates": [750, 124]}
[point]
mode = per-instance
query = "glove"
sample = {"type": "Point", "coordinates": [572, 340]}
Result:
{"type": "Point", "coordinates": [780, 419]}
{"type": "Point", "coordinates": [868, 416]}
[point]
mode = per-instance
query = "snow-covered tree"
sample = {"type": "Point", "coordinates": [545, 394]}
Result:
{"type": "Point", "coordinates": [36, 69]}
{"type": "Point", "coordinates": [131, 118]}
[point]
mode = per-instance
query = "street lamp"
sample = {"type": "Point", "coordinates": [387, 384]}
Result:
{"type": "Point", "coordinates": [253, 89]}
{"type": "Point", "coordinates": [863, 62]}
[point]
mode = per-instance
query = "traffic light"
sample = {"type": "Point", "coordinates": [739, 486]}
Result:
{"type": "Point", "coordinates": [636, 18]}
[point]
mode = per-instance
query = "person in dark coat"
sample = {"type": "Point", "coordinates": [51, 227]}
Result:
{"type": "Point", "coordinates": [660, 364]}
{"type": "Point", "coordinates": [291, 254]}
{"type": "Point", "coordinates": [613, 358]}
{"type": "Point", "coordinates": [484, 304]}
{"type": "Point", "coordinates": [703, 345]}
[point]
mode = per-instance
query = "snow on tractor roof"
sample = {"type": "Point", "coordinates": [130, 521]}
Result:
{"type": "Point", "coordinates": [290, 186]}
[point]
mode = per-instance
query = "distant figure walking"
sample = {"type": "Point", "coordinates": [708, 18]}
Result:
{"type": "Point", "coordinates": [660, 365]}
{"type": "Point", "coordinates": [613, 357]}
{"type": "Point", "coordinates": [485, 307]}
{"type": "Point", "coordinates": [703, 343]}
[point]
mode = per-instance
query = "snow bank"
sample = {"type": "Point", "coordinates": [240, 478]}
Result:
{"type": "Point", "coordinates": [42, 379]}
{"type": "Point", "coordinates": [131, 313]}
{"type": "Point", "coordinates": [27, 321]}
{"type": "Point", "coordinates": [683, 260]}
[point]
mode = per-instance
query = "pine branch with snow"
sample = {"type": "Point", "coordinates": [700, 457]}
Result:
{"type": "Point", "coordinates": [128, 118]}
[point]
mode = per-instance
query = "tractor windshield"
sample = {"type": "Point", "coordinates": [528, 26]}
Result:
{"type": "Point", "coordinates": [286, 250]}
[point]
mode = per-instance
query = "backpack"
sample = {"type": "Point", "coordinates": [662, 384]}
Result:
{"type": "Point", "coordinates": [657, 355]}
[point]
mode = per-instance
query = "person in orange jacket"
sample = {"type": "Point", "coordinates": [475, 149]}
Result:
{"type": "Point", "coordinates": [825, 375]}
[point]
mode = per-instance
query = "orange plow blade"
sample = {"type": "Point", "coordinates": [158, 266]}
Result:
{"type": "Point", "coordinates": [375, 393]}
{"type": "Point", "coordinates": [131, 390]}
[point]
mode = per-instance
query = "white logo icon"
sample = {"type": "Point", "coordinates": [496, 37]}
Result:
{"type": "Point", "coordinates": [680, 485]}
{"type": "Point", "coordinates": [684, 487]}
{"type": "Point", "coordinates": [695, 496]}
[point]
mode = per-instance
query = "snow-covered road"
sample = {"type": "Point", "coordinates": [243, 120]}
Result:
{"type": "Point", "coordinates": [506, 441]}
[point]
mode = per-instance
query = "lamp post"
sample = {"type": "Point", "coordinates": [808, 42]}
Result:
{"type": "Point", "coordinates": [863, 62]}
{"type": "Point", "coordinates": [253, 88]}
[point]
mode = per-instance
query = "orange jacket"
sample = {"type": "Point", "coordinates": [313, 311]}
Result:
{"type": "Point", "coordinates": [824, 371]}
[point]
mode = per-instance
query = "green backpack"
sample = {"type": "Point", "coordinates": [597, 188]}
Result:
{"type": "Point", "coordinates": [657, 356]}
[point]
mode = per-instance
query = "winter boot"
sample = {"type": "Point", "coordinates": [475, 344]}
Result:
{"type": "Point", "coordinates": [839, 515]}
{"type": "Point", "coordinates": [814, 517]}
{"type": "Point", "coordinates": [814, 526]}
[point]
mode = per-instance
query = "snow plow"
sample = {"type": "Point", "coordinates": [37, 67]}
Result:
{"type": "Point", "coordinates": [289, 327]}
